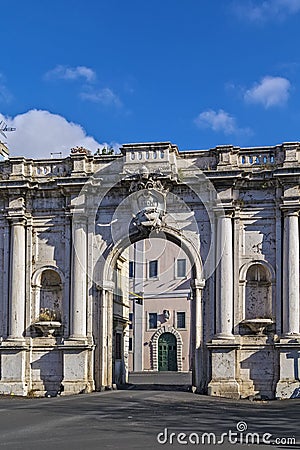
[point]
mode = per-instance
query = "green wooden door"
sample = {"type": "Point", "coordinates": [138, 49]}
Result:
{"type": "Point", "coordinates": [167, 352]}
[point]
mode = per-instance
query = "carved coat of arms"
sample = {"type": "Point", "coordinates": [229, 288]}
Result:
{"type": "Point", "coordinates": [148, 200]}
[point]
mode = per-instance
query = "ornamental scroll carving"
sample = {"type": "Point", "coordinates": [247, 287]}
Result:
{"type": "Point", "coordinates": [148, 199]}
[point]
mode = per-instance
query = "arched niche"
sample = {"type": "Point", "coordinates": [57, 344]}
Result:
{"type": "Point", "coordinates": [47, 284]}
{"type": "Point", "coordinates": [258, 280]}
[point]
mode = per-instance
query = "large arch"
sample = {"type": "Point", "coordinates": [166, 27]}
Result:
{"type": "Point", "coordinates": [106, 287]}
{"type": "Point", "coordinates": [147, 205]}
{"type": "Point", "coordinates": [171, 234]}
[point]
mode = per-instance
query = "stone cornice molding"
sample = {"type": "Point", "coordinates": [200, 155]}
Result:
{"type": "Point", "coordinates": [14, 343]}
{"type": "Point", "coordinates": [79, 218]}
{"type": "Point", "coordinates": [290, 210]}
{"type": "Point", "coordinates": [230, 176]}
{"type": "Point", "coordinates": [17, 218]}
{"type": "Point", "coordinates": [223, 210]}
{"type": "Point", "coordinates": [290, 172]}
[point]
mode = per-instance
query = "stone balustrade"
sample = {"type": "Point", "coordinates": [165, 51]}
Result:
{"type": "Point", "coordinates": [253, 158]}
{"type": "Point", "coordinates": [161, 154]}
{"type": "Point", "coordinates": [55, 169]}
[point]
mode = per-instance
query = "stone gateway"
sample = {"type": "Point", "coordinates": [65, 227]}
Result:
{"type": "Point", "coordinates": [66, 226]}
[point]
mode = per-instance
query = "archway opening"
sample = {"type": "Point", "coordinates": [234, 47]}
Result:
{"type": "Point", "coordinates": [153, 287]}
{"type": "Point", "coordinates": [160, 300]}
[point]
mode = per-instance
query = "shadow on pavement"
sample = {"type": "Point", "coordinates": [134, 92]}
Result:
{"type": "Point", "coordinates": [156, 387]}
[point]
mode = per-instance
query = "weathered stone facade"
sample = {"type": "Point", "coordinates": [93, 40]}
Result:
{"type": "Point", "coordinates": [65, 225]}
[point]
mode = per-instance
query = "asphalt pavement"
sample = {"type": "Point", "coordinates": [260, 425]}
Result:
{"type": "Point", "coordinates": [146, 419]}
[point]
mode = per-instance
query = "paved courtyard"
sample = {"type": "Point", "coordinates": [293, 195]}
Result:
{"type": "Point", "coordinates": [173, 380]}
{"type": "Point", "coordinates": [132, 419]}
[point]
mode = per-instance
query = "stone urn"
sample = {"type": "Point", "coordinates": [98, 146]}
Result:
{"type": "Point", "coordinates": [47, 327]}
{"type": "Point", "coordinates": [257, 325]}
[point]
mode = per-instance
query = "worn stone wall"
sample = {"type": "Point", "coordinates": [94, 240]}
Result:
{"type": "Point", "coordinates": [234, 211]}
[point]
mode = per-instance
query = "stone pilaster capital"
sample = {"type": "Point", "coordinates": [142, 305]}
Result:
{"type": "Point", "coordinates": [197, 284]}
{"type": "Point", "coordinates": [17, 219]}
{"type": "Point", "coordinates": [289, 211]}
{"type": "Point", "coordinates": [222, 212]}
{"type": "Point", "coordinates": [16, 210]}
{"type": "Point", "coordinates": [108, 286]}
{"type": "Point", "coordinates": [79, 218]}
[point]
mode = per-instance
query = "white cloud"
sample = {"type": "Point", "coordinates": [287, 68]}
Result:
{"type": "Point", "coordinates": [71, 73]}
{"type": "Point", "coordinates": [266, 10]}
{"type": "Point", "coordinates": [104, 96]}
{"type": "Point", "coordinates": [89, 92]}
{"type": "Point", "coordinates": [38, 133]}
{"type": "Point", "coordinates": [219, 121]}
{"type": "Point", "coordinates": [271, 91]}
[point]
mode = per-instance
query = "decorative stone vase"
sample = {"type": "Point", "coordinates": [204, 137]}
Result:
{"type": "Point", "coordinates": [47, 327]}
{"type": "Point", "coordinates": [257, 325]}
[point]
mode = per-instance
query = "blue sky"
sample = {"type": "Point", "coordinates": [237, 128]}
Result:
{"type": "Point", "coordinates": [198, 73]}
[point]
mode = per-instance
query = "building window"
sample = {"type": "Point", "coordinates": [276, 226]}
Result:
{"type": "Point", "coordinates": [131, 269]}
{"type": "Point", "coordinates": [152, 320]}
{"type": "Point", "coordinates": [130, 321]}
{"type": "Point", "coordinates": [181, 320]}
{"type": "Point", "coordinates": [181, 268]}
{"type": "Point", "coordinates": [118, 346]}
{"type": "Point", "coordinates": [130, 344]}
{"type": "Point", "coordinates": [153, 269]}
